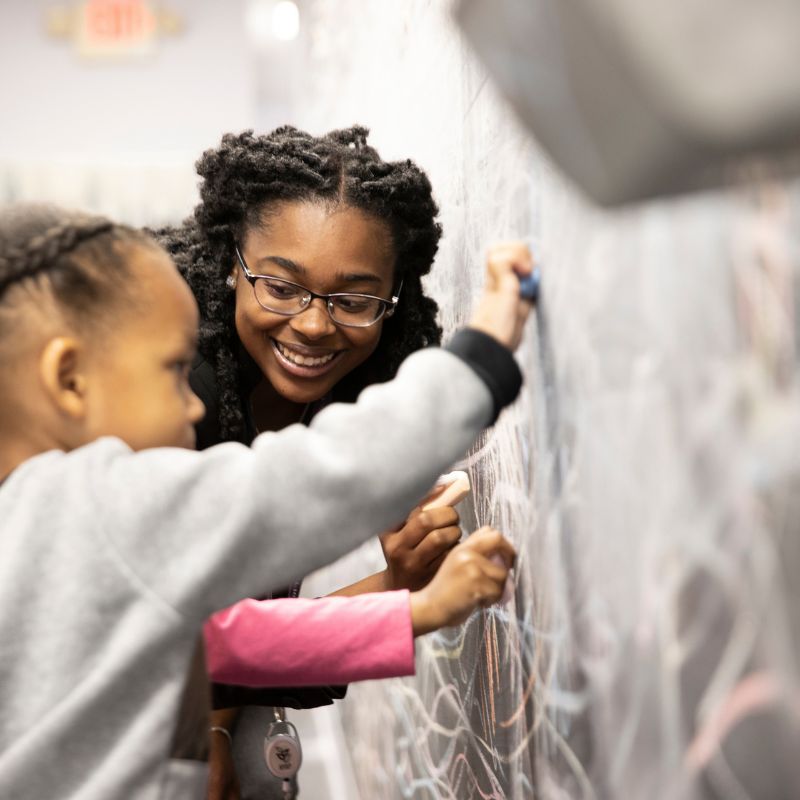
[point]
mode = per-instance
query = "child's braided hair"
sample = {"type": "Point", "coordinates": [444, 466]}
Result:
{"type": "Point", "coordinates": [242, 178]}
{"type": "Point", "coordinates": [76, 253]}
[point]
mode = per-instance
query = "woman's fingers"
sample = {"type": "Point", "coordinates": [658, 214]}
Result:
{"type": "Point", "coordinates": [414, 532]}
{"type": "Point", "coordinates": [422, 540]}
{"type": "Point", "coordinates": [433, 566]}
{"type": "Point", "coordinates": [432, 496]}
{"type": "Point", "coordinates": [450, 493]}
{"type": "Point", "coordinates": [437, 544]}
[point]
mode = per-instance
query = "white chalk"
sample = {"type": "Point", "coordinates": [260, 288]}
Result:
{"type": "Point", "coordinates": [456, 488]}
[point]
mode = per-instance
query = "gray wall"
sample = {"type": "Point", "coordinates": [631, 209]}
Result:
{"type": "Point", "coordinates": [121, 137]}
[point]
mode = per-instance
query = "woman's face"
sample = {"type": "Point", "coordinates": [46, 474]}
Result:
{"type": "Point", "coordinates": [326, 249]}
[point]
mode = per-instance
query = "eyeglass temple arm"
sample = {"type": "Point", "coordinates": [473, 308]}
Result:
{"type": "Point", "coordinates": [396, 296]}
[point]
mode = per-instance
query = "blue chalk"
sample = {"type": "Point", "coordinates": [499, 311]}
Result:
{"type": "Point", "coordinates": [529, 285]}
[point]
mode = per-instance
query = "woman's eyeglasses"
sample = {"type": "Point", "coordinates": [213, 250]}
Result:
{"type": "Point", "coordinates": [345, 308]}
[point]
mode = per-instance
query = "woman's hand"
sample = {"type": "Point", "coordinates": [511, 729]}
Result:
{"type": "Point", "coordinates": [467, 579]}
{"type": "Point", "coordinates": [415, 551]}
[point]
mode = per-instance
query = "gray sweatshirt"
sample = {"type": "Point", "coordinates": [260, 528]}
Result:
{"type": "Point", "coordinates": [110, 561]}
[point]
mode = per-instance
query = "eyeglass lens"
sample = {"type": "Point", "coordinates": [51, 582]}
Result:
{"type": "Point", "coordinates": [345, 309]}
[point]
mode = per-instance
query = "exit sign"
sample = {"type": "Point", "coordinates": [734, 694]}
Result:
{"type": "Point", "coordinates": [105, 29]}
{"type": "Point", "coordinates": [116, 27]}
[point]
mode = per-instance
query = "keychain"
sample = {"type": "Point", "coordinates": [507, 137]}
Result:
{"type": "Point", "coordinates": [282, 751]}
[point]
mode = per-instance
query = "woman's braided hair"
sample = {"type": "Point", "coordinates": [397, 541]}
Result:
{"type": "Point", "coordinates": [75, 253]}
{"type": "Point", "coordinates": [246, 175]}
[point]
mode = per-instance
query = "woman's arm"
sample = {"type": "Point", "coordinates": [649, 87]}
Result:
{"type": "Point", "coordinates": [372, 583]}
{"type": "Point", "coordinates": [415, 551]}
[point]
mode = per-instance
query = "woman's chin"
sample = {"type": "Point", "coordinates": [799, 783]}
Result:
{"type": "Point", "coordinates": [304, 393]}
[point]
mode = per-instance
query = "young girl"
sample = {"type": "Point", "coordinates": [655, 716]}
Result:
{"type": "Point", "coordinates": [306, 256]}
{"type": "Point", "coordinates": [112, 554]}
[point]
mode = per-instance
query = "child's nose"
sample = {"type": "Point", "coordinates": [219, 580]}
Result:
{"type": "Point", "coordinates": [196, 409]}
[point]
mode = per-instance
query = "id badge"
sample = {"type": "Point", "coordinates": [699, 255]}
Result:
{"type": "Point", "coordinates": [282, 751]}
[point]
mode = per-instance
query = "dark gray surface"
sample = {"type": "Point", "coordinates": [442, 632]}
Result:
{"type": "Point", "coordinates": [603, 90]}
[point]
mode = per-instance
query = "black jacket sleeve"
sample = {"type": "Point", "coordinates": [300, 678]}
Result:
{"type": "Point", "coordinates": [492, 361]}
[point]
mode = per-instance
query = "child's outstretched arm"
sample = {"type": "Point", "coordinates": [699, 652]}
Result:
{"type": "Point", "coordinates": [198, 531]}
{"type": "Point", "coordinates": [303, 642]}
{"type": "Point", "coordinates": [336, 640]}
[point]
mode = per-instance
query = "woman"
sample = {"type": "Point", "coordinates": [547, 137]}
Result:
{"type": "Point", "coordinates": [306, 256]}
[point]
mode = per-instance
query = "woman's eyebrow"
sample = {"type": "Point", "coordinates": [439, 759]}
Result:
{"type": "Point", "coordinates": [358, 277]}
{"type": "Point", "coordinates": [300, 270]}
{"type": "Point", "coordinates": [286, 263]}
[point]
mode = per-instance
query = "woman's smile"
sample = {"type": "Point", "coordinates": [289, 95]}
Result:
{"type": "Point", "coordinates": [305, 362]}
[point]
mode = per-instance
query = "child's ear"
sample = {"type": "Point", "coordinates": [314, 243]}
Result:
{"type": "Point", "coordinates": [61, 371]}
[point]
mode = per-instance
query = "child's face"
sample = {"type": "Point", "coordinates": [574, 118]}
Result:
{"type": "Point", "coordinates": [326, 250]}
{"type": "Point", "coordinates": [137, 376]}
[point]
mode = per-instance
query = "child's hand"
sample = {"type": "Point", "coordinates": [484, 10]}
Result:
{"type": "Point", "coordinates": [466, 580]}
{"type": "Point", "coordinates": [501, 312]}
{"type": "Point", "coordinates": [415, 551]}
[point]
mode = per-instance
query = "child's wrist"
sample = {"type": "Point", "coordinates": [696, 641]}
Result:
{"type": "Point", "coordinates": [422, 616]}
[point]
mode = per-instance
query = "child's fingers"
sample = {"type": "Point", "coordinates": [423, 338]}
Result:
{"type": "Point", "coordinates": [488, 540]}
{"type": "Point", "coordinates": [516, 250]}
{"type": "Point", "coordinates": [490, 591]}
{"type": "Point", "coordinates": [491, 569]}
{"type": "Point", "coordinates": [505, 263]}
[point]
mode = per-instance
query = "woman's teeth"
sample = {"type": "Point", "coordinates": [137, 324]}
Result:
{"type": "Point", "coordinates": [303, 361]}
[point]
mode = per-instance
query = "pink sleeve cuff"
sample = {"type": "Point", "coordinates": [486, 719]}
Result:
{"type": "Point", "coordinates": [300, 642]}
